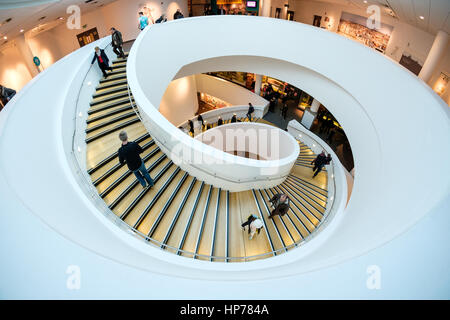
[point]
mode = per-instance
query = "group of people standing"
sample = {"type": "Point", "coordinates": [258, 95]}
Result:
{"type": "Point", "coordinates": [143, 19]}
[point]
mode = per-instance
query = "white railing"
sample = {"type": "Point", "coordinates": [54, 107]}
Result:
{"type": "Point", "coordinates": [226, 113]}
{"type": "Point", "coordinates": [337, 185]}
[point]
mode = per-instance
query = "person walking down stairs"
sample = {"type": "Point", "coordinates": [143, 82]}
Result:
{"type": "Point", "coordinates": [319, 162]}
{"type": "Point", "coordinates": [254, 224]}
{"type": "Point", "coordinates": [251, 109]}
{"type": "Point", "coordinates": [280, 203]}
{"type": "Point", "coordinates": [117, 43]}
{"type": "Point", "coordinates": [129, 153]}
{"type": "Point", "coordinates": [102, 59]}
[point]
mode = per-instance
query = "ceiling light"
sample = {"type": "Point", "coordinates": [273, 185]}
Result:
{"type": "Point", "coordinates": [5, 37]}
{"type": "Point", "coordinates": [421, 17]}
{"type": "Point", "coordinates": [21, 30]}
{"type": "Point", "coordinates": [365, 1]}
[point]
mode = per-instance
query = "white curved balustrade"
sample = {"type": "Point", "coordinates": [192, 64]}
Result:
{"type": "Point", "coordinates": [272, 152]}
{"type": "Point", "coordinates": [226, 113]}
{"type": "Point", "coordinates": [367, 93]}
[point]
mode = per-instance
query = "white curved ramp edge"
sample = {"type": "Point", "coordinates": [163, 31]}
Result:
{"type": "Point", "coordinates": [47, 188]}
{"type": "Point", "coordinates": [369, 95]}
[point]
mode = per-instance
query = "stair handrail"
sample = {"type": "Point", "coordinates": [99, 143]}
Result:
{"type": "Point", "coordinates": [86, 182]}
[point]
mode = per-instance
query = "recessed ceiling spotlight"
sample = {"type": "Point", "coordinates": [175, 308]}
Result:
{"type": "Point", "coordinates": [421, 17]}
{"type": "Point", "coordinates": [21, 30]}
{"type": "Point", "coordinates": [5, 37]}
{"type": "Point", "coordinates": [60, 18]}
{"type": "Point", "coordinates": [365, 1]}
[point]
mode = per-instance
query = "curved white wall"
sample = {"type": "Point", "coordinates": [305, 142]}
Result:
{"type": "Point", "coordinates": [227, 91]}
{"type": "Point", "coordinates": [180, 100]}
{"type": "Point", "coordinates": [386, 201]}
{"type": "Point", "coordinates": [277, 150]}
{"type": "Point", "coordinates": [369, 95]}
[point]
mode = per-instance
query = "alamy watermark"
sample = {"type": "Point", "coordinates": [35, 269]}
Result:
{"type": "Point", "coordinates": [73, 281]}
{"type": "Point", "coordinates": [74, 19]}
{"type": "Point", "coordinates": [373, 282]}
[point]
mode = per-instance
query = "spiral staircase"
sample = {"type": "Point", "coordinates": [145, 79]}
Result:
{"type": "Point", "coordinates": [181, 214]}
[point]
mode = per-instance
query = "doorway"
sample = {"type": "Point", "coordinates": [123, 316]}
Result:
{"type": "Point", "coordinates": [290, 15]}
{"type": "Point", "coordinates": [317, 20]}
{"type": "Point", "coordinates": [277, 13]}
{"type": "Point", "coordinates": [87, 37]}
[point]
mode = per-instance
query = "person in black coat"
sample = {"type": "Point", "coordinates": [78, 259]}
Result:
{"type": "Point", "coordinates": [191, 125]}
{"type": "Point", "coordinates": [251, 109]}
{"type": "Point", "coordinates": [6, 94]}
{"type": "Point", "coordinates": [284, 110]}
{"type": "Point", "coordinates": [319, 162]}
{"type": "Point", "coordinates": [161, 19]}
{"type": "Point", "coordinates": [102, 59]}
{"type": "Point", "coordinates": [129, 154]}
{"type": "Point", "coordinates": [117, 43]}
{"type": "Point", "coordinates": [178, 15]}
{"type": "Point", "coordinates": [200, 119]}
{"type": "Point", "coordinates": [220, 121]}
{"type": "Point", "coordinates": [280, 202]}
{"type": "Point", "coordinates": [233, 118]}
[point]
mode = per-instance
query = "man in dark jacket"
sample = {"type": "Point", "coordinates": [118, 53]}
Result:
{"type": "Point", "coordinates": [200, 119]}
{"type": "Point", "coordinates": [129, 154]}
{"type": "Point", "coordinates": [219, 121]}
{"type": "Point", "coordinates": [161, 19]}
{"type": "Point", "coordinates": [280, 202]}
{"type": "Point", "coordinates": [319, 162]}
{"type": "Point", "coordinates": [102, 59]}
{"type": "Point", "coordinates": [233, 118]}
{"type": "Point", "coordinates": [178, 15]}
{"type": "Point", "coordinates": [251, 109]}
{"type": "Point", "coordinates": [6, 94]}
{"type": "Point", "coordinates": [117, 43]}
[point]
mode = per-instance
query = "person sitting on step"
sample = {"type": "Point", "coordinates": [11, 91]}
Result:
{"type": "Point", "coordinates": [254, 224]}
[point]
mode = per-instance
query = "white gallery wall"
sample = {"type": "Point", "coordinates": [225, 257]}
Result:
{"type": "Point", "coordinates": [180, 100]}
{"type": "Point", "coordinates": [13, 70]}
{"type": "Point", "coordinates": [404, 38]}
{"type": "Point", "coordinates": [53, 44]}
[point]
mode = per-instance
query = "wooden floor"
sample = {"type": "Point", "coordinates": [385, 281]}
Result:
{"type": "Point", "coordinates": [184, 215]}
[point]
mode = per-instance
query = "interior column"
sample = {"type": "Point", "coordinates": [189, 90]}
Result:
{"type": "Point", "coordinates": [310, 114]}
{"type": "Point", "coordinates": [258, 81]}
{"type": "Point", "coordinates": [436, 52]}
{"type": "Point", "coordinates": [264, 10]}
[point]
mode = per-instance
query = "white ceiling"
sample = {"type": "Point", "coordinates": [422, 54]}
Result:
{"type": "Point", "coordinates": [25, 14]}
{"type": "Point", "coordinates": [436, 13]}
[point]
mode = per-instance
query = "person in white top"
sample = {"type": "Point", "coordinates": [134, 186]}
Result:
{"type": "Point", "coordinates": [254, 224]}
